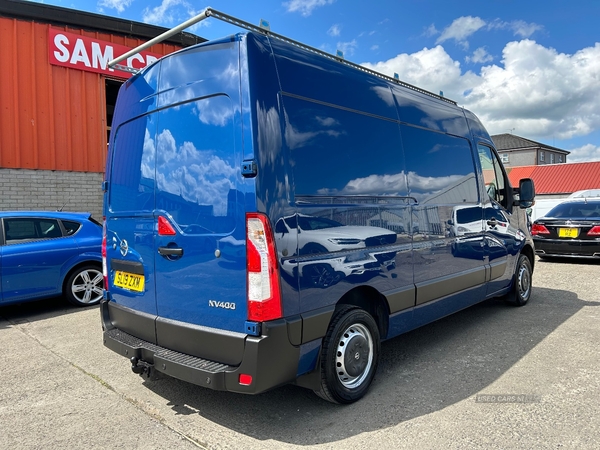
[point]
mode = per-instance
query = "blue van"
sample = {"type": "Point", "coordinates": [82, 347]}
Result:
{"type": "Point", "coordinates": [273, 214]}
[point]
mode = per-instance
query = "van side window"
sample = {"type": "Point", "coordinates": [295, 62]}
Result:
{"type": "Point", "coordinates": [439, 166]}
{"type": "Point", "coordinates": [493, 176]}
{"type": "Point", "coordinates": [335, 152]}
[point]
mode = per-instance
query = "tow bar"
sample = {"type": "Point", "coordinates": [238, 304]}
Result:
{"type": "Point", "coordinates": [144, 369]}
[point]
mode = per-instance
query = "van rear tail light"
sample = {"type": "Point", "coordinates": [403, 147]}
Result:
{"type": "Point", "coordinates": [263, 293]}
{"type": "Point", "coordinates": [165, 228]}
{"type": "Point", "coordinates": [537, 228]}
{"type": "Point", "coordinates": [595, 231]}
{"type": "Point", "coordinates": [104, 265]}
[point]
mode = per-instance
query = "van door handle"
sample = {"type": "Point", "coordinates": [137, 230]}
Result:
{"type": "Point", "coordinates": [170, 251]}
{"type": "Point", "coordinates": [492, 222]}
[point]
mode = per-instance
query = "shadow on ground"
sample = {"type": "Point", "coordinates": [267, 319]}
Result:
{"type": "Point", "coordinates": [420, 372]}
{"type": "Point", "coordinates": [36, 310]}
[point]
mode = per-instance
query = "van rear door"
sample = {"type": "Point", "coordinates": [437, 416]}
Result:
{"type": "Point", "coordinates": [130, 219]}
{"type": "Point", "coordinates": [200, 214]}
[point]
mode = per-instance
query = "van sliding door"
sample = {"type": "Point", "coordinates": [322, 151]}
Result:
{"type": "Point", "coordinates": [447, 221]}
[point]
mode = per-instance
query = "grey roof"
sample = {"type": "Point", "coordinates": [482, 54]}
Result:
{"type": "Point", "coordinates": [509, 141]}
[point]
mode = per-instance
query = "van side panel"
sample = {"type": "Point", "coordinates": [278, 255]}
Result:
{"type": "Point", "coordinates": [274, 182]}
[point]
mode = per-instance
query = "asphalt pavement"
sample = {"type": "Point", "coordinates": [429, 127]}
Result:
{"type": "Point", "coordinates": [492, 376]}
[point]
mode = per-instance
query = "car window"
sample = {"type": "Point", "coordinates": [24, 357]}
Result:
{"type": "Point", "coordinates": [580, 210]}
{"type": "Point", "coordinates": [71, 227]}
{"type": "Point", "coordinates": [468, 215]}
{"type": "Point", "coordinates": [21, 229]}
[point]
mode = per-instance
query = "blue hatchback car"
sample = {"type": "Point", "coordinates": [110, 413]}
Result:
{"type": "Point", "coordinates": [45, 254]}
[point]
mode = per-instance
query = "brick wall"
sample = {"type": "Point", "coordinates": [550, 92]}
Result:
{"type": "Point", "coordinates": [49, 190]}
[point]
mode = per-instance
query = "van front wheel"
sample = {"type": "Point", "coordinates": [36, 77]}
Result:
{"type": "Point", "coordinates": [521, 291]}
{"type": "Point", "coordinates": [349, 356]}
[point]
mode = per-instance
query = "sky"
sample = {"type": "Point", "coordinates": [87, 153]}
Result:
{"type": "Point", "coordinates": [528, 67]}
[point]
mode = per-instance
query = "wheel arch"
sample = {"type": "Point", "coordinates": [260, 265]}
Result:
{"type": "Point", "coordinates": [372, 301]}
{"type": "Point", "coordinates": [529, 252]}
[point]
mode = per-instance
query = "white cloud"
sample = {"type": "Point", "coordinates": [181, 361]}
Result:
{"type": "Point", "coordinates": [347, 47]}
{"type": "Point", "coordinates": [461, 29]}
{"type": "Point", "coordinates": [171, 11]}
{"type": "Point", "coordinates": [432, 69]}
{"type": "Point", "coordinates": [119, 5]}
{"type": "Point", "coordinates": [430, 31]}
{"type": "Point", "coordinates": [160, 14]}
{"type": "Point", "coordinates": [588, 152]}
{"type": "Point", "coordinates": [305, 7]}
{"type": "Point", "coordinates": [375, 47]}
{"type": "Point", "coordinates": [519, 28]}
{"type": "Point", "coordinates": [335, 30]}
{"type": "Point", "coordinates": [524, 29]}
{"type": "Point", "coordinates": [480, 56]}
{"type": "Point", "coordinates": [536, 90]}
{"type": "Point", "coordinates": [540, 92]}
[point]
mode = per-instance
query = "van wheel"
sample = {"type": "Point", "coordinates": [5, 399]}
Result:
{"type": "Point", "coordinates": [521, 291]}
{"type": "Point", "coordinates": [85, 286]}
{"type": "Point", "coordinates": [349, 356]}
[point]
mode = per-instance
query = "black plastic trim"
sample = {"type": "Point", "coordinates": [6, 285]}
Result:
{"type": "Point", "coordinates": [226, 347]}
{"type": "Point", "coordinates": [315, 323]}
{"type": "Point", "coordinates": [401, 299]}
{"type": "Point", "coordinates": [127, 266]}
{"type": "Point", "coordinates": [269, 359]}
{"type": "Point", "coordinates": [450, 284]}
{"type": "Point", "coordinates": [133, 322]}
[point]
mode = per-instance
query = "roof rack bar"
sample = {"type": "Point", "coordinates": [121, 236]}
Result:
{"type": "Point", "coordinates": [210, 12]}
{"type": "Point", "coordinates": [161, 37]}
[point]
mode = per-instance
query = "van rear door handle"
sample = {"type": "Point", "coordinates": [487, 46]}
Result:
{"type": "Point", "coordinates": [170, 251]}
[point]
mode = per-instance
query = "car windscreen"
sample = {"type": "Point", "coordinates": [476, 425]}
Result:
{"type": "Point", "coordinates": [316, 223]}
{"type": "Point", "coordinates": [587, 210]}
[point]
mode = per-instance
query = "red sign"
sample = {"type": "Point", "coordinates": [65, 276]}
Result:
{"type": "Point", "coordinates": [92, 55]}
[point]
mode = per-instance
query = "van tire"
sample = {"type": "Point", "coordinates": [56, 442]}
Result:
{"type": "Point", "coordinates": [521, 290]}
{"type": "Point", "coordinates": [352, 335]}
{"type": "Point", "coordinates": [84, 286]}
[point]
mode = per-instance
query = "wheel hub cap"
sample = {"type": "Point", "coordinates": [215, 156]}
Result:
{"type": "Point", "coordinates": [354, 356]}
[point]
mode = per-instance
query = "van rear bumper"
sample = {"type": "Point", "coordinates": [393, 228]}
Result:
{"type": "Point", "coordinates": [269, 359]}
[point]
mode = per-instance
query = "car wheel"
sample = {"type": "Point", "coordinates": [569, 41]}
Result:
{"type": "Point", "coordinates": [349, 356]}
{"type": "Point", "coordinates": [521, 291]}
{"type": "Point", "coordinates": [85, 286]}
{"type": "Point", "coordinates": [321, 275]}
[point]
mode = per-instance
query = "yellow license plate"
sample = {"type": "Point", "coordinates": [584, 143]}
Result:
{"type": "Point", "coordinates": [568, 232]}
{"type": "Point", "coordinates": [131, 281]}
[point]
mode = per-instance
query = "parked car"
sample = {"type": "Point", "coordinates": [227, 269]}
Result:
{"type": "Point", "coordinates": [571, 229]}
{"type": "Point", "coordinates": [45, 254]}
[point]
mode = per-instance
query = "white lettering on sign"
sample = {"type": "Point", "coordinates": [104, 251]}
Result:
{"type": "Point", "coordinates": [62, 54]}
{"type": "Point", "coordinates": [92, 55]}
{"type": "Point", "coordinates": [100, 59]}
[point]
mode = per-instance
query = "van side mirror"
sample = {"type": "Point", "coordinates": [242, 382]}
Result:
{"type": "Point", "coordinates": [526, 193]}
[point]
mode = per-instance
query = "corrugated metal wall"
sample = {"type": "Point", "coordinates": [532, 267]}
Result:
{"type": "Point", "coordinates": [51, 117]}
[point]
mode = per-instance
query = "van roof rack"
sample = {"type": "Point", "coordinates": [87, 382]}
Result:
{"type": "Point", "coordinates": [210, 12]}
